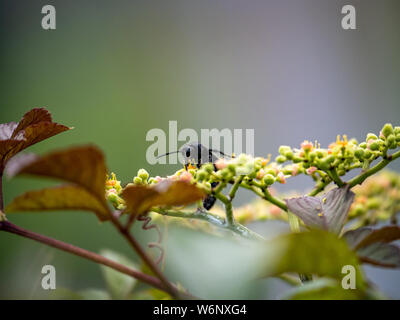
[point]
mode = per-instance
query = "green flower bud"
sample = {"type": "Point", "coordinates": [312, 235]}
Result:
{"type": "Point", "coordinates": [289, 155]}
{"type": "Point", "coordinates": [225, 173]}
{"type": "Point", "coordinates": [232, 167]}
{"type": "Point", "coordinates": [271, 172]}
{"type": "Point", "coordinates": [359, 209]}
{"type": "Point", "coordinates": [152, 180]}
{"type": "Point", "coordinates": [112, 197]}
{"type": "Point", "coordinates": [367, 154]}
{"type": "Point", "coordinates": [387, 129]}
{"type": "Point", "coordinates": [371, 136]}
{"type": "Point", "coordinates": [208, 185]}
{"type": "Point", "coordinates": [363, 145]}
{"type": "Point", "coordinates": [242, 159]}
{"type": "Point", "coordinates": [374, 146]}
{"type": "Point", "coordinates": [280, 159]}
{"type": "Point", "coordinates": [373, 203]}
{"type": "Point", "coordinates": [297, 159]}
{"type": "Point", "coordinates": [359, 153]}
{"type": "Point", "coordinates": [143, 174]}
{"type": "Point", "coordinates": [313, 155]}
{"type": "Point", "coordinates": [320, 154]}
{"type": "Point", "coordinates": [284, 149]}
{"type": "Point", "coordinates": [269, 179]}
{"type": "Point", "coordinates": [329, 159]}
{"type": "Point", "coordinates": [137, 180]}
{"type": "Point", "coordinates": [326, 162]}
{"type": "Point", "coordinates": [391, 141]}
{"type": "Point", "coordinates": [202, 175]}
{"type": "Point", "coordinates": [208, 167]}
{"type": "Point", "coordinates": [353, 141]}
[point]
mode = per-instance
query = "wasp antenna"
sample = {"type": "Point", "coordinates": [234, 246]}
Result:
{"type": "Point", "coordinates": [167, 154]}
{"type": "Point", "coordinates": [220, 152]}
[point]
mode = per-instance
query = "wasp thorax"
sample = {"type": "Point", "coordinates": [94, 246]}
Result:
{"type": "Point", "coordinates": [197, 154]}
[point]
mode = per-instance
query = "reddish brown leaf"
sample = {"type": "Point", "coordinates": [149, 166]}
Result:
{"type": "Point", "coordinates": [380, 254]}
{"type": "Point", "coordinates": [135, 197]}
{"type": "Point", "coordinates": [35, 126]}
{"type": "Point", "coordinates": [84, 166]}
{"type": "Point", "coordinates": [34, 134]}
{"type": "Point", "coordinates": [68, 197]}
{"type": "Point", "coordinates": [365, 236]}
{"type": "Point", "coordinates": [373, 245]}
{"type": "Point", "coordinates": [34, 116]}
{"type": "Point", "coordinates": [176, 193]}
{"type": "Point", "coordinates": [139, 198]}
{"type": "Point", "coordinates": [385, 234]}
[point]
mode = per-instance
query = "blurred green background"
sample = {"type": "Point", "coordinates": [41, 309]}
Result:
{"type": "Point", "coordinates": [116, 69]}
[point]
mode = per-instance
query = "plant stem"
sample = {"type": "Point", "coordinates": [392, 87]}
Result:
{"type": "Point", "coordinates": [380, 165]}
{"type": "Point", "coordinates": [335, 177]}
{"type": "Point", "coordinates": [228, 208]}
{"type": "Point", "coordinates": [169, 287]}
{"type": "Point", "coordinates": [235, 187]}
{"type": "Point", "coordinates": [11, 228]}
{"type": "Point", "coordinates": [319, 188]}
{"type": "Point", "coordinates": [274, 200]}
{"type": "Point", "coordinates": [214, 220]}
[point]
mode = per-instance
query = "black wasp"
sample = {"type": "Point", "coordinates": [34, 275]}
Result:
{"type": "Point", "coordinates": [196, 154]}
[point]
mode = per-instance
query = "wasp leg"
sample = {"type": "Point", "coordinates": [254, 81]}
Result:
{"type": "Point", "coordinates": [210, 200]}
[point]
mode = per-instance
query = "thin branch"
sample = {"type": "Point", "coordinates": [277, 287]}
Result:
{"type": "Point", "coordinates": [169, 287]}
{"type": "Point", "coordinates": [11, 228]}
{"type": "Point", "coordinates": [212, 219]}
{"type": "Point", "coordinates": [235, 187]}
{"type": "Point", "coordinates": [383, 163]}
{"type": "Point", "coordinates": [335, 177]}
{"type": "Point", "coordinates": [276, 201]}
{"type": "Point", "coordinates": [319, 188]}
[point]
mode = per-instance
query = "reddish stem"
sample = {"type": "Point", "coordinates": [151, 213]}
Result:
{"type": "Point", "coordinates": [9, 227]}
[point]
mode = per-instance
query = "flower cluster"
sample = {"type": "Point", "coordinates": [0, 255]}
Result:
{"type": "Point", "coordinates": [113, 190]}
{"type": "Point", "coordinates": [377, 199]}
{"type": "Point", "coordinates": [322, 164]}
{"type": "Point", "coordinates": [329, 164]}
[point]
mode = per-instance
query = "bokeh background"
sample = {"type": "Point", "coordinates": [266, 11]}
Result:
{"type": "Point", "coordinates": [116, 69]}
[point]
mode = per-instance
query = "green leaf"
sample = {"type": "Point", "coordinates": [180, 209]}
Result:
{"type": "Point", "coordinates": [313, 252]}
{"type": "Point", "coordinates": [119, 285]}
{"type": "Point", "coordinates": [328, 212]}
